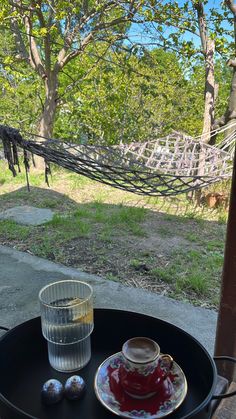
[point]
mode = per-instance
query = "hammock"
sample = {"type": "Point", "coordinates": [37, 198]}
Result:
{"type": "Point", "coordinates": [168, 166]}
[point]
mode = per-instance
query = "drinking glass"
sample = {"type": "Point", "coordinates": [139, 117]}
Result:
{"type": "Point", "coordinates": [67, 323]}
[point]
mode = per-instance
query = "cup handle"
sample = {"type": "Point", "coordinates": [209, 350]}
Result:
{"type": "Point", "coordinates": [166, 363]}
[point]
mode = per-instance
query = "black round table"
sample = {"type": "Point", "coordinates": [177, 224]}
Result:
{"type": "Point", "coordinates": [25, 350]}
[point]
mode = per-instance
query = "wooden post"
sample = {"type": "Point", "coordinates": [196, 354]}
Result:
{"type": "Point", "coordinates": [226, 326]}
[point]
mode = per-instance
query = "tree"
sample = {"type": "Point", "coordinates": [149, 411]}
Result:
{"type": "Point", "coordinates": [20, 88]}
{"type": "Point", "coordinates": [113, 96]}
{"type": "Point", "coordinates": [181, 26]}
{"type": "Point", "coordinates": [208, 49]}
{"type": "Point", "coordinates": [129, 98]}
{"type": "Point", "coordinates": [52, 38]}
{"type": "Point", "coordinates": [72, 25]}
{"type": "Point", "coordinates": [229, 116]}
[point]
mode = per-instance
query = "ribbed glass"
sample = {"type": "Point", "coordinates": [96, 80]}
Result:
{"type": "Point", "coordinates": [67, 322]}
{"type": "Point", "coordinates": [68, 358]}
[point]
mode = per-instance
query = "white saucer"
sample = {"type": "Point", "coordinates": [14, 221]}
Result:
{"type": "Point", "coordinates": [110, 393]}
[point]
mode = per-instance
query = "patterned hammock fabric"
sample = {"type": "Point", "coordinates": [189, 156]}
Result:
{"type": "Point", "coordinates": [168, 166]}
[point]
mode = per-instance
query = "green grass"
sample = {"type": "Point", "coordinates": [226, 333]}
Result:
{"type": "Point", "coordinates": [12, 230]}
{"type": "Point", "coordinates": [222, 217]}
{"type": "Point", "coordinates": [136, 263]}
{"type": "Point", "coordinates": [165, 231]}
{"type": "Point", "coordinates": [49, 203]}
{"type": "Point", "coordinates": [69, 226]}
{"type": "Point", "coordinates": [106, 234]}
{"type": "Point", "coordinates": [78, 181]}
{"type": "Point", "coordinates": [112, 277]}
{"type": "Point", "coordinates": [191, 271]}
{"type": "Point", "coordinates": [128, 219]}
{"type": "Point", "coordinates": [192, 237]}
{"type": "Point", "coordinates": [114, 217]}
{"type": "Point", "coordinates": [214, 244]}
{"type": "Point", "coordinates": [163, 274]}
{"type": "Point", "coordinates": [195, 282]}
{"type": "Point", "coordinates": [45, 248]}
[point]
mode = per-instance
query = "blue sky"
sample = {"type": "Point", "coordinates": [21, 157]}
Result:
{"type": "Point", "coordinates": [138, 35]}
{"type": "Point", "coordinates": [210, 3]}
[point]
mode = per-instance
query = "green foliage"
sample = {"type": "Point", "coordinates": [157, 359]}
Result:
{"type": "Point", "coordinates": [148, 95]}
{"type": "Point", "coordinates": [118, 88]}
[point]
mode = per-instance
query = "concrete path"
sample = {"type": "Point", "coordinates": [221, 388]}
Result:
{"type": "Point", "coordinates": [23, 275]}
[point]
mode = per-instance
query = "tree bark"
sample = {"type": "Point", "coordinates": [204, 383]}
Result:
{"type": "Point", "coordinates": [209, 110]}
{"type": "Point", "coordinates": [231, 111]}
{"type": "Point", "coordinates": [46, 121]}
{"type": "Point", "coordinates": [229, 117]}
{"type": "Point", "coordinates": [208, 49]}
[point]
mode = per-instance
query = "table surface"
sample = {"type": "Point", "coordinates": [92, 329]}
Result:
{"type": "Point", "coordinates": [112, 328]}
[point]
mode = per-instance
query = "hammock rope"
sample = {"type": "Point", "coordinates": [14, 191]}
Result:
{"type": "Point", "coordinates": [167, 166]}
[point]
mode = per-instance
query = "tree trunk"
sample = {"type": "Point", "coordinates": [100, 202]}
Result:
{"type": "Point", "coordinates": [46, 122]}
{"type": "Point", "coordinates": [231, 111]}
{"type": "Point", "coordinates": [208, 49]}
{"type": "Point", "coordinates": [229, 116]}
{"type": "Point", "coordinates": [209, 114]}
{"type": "Point", "coordinates": [50, 105]}
{"type": "Point", "coordinates": [209, 110]}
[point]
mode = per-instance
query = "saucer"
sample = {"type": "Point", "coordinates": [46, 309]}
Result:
{"type": "Point", "coordinates": [111, 394]}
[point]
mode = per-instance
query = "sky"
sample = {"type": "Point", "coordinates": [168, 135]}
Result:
{"type": "Point", "coordinates": [138, 35]}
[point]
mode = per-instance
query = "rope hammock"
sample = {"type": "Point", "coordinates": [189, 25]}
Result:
{"type": "Point", "coordinates": [168, 166]}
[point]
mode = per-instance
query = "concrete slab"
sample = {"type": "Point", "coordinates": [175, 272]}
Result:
{"type": "Point", "coordinates": [27, 215]}
{"type": "Point", "coordinates": [23, 275]}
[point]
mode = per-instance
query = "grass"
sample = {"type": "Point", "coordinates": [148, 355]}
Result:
{"type": "Point", "coordinates": [165, 231]}
{"type": "Point", "coordinates": [12, 230]}
{"type": "Point", "coordinates": [192, 271]}
{"type": "Point", "coordinates": [124, 218]}
{"type": "Point", "coordinates": [163, 245]}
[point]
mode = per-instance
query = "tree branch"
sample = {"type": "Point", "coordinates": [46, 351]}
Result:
{"type": "Point", "coordinates": [52, 6]}
{"type": "Point", "coordinates": [231, 5]}
{"type": "Point", "coordinates": [231, 62]}
{"type": "Point", "coordinates": [91, 14]}
{"type": "Point", "coordinates": [64, 60]}
{"type": "Point", "coordinates": [34, 57]}
{"type": "Point", "coordinates": [22, 7]}
{"type": "Point", "coordinates": [46, 38]}
{"type": "Point", "coordinates": [198, 6]}
{"type": "Point", "coordinates": [20, 45]}
{"type": "Point", "coordinates": [113, 22]}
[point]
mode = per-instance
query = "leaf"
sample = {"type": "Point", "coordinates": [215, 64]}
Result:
{"type": "Point", "coordinates": [43, 31]}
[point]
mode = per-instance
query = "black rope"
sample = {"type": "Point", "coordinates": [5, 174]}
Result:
{"type": "Point", "coordinates": [27, 167]}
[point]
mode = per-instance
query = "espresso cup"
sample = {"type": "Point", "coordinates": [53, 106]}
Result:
{"type": "Point", "coordinates": [143, 369]}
